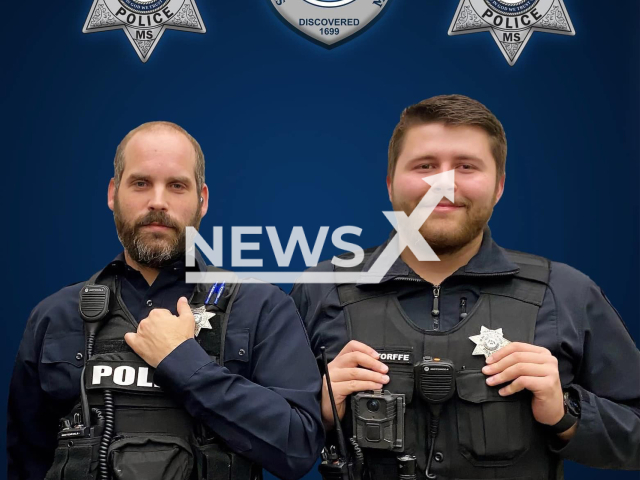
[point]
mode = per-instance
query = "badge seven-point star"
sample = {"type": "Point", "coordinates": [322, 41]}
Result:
{"type": "Point", "coordinates": [144, 21]}
{"type": "Point", "coordinates": [488, 342]}
{"type": "Point", "coordinates": [511, 22]}
{"type": "Point", "coordinates": [202, 317]}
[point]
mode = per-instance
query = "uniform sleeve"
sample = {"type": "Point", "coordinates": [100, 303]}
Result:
{"type": "Point", "coordinates": [607, 378]}
{"type": "Point", "coordinates": [273, 418]}
{"type": "Point", "coordinates": [32, 423]}
{"type": "Point", "coordinates": [319, 306]}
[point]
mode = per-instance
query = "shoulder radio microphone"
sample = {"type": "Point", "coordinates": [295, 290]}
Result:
{"type": "Point", "coordinates": [436, 383]}
{"type": "Point", "coordinates": [94, 307]}
{"type": "Point", "coordinates": [435, 380]}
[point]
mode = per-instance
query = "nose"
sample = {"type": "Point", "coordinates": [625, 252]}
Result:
{"type": "Point", "coordinates": [446, 168]}
{"type": "Point", "coordinates": [158, 200]}
{"type": "Point", "coordinates": [444, 191]}
{"type": "Point", "coordinates": [444, 188]}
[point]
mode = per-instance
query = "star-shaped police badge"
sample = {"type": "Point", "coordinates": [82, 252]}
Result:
{"type": "Point", "coordinates": [511, 22]}
{"type": "Point", "coordinates": [202, 317]}
{"type": "Point", "coordinates": [488, 342]}
{"type": "Point", "coordinates": [144, 21]}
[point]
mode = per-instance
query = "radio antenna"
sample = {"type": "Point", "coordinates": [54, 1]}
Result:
{"type": "Point", "coordinates": [342, 447]}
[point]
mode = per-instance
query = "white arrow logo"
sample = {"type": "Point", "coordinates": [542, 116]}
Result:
{"type": "Point", "coordinates": [408, 228]}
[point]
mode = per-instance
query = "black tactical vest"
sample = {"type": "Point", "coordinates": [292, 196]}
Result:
{"type": "Point", "coordinates": [154, 437]}
{"type": "Point", "coordinates": [482, 435]}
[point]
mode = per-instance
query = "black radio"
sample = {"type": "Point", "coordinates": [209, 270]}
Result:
{"type": "Point", "coordinates": [435, 379]}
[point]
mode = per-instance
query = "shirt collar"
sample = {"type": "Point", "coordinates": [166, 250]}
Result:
{"type": "Point", "coordinates": [490, 260]}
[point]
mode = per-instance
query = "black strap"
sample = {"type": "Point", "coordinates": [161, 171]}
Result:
{"type": "Point", "coordinates": [532, 267]}
{"type": "Point", "coordinates": [92, 280]}
{"type": "Point", "coordinates": [212, 340]}
{"type": "Point", "coordinates": [349, 256]}
{"type": "Point", "coordinates": [223, 333]}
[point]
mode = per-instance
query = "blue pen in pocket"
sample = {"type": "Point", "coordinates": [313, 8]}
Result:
{"type": "Point", "coordinates": [211, 292]}
{"type": "Point", "coordinates": [215, 302]}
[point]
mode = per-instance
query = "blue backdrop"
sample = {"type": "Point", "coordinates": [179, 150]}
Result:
{"type": "Point", "coordinates": [296, 134]}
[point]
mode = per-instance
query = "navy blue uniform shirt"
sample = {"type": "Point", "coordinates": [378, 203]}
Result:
{"type": "Point", "coordinates": [264, 403]}
{"type": "Point", "coordinates": [596, 355]}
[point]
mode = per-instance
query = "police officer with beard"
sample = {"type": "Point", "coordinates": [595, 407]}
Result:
{"type": "Point", "coordinates": [180, 380]}
{"type": "Point", "coordinates": [533, 365]}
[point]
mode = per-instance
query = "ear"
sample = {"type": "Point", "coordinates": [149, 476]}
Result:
{"type": "Point", "coordinates": [500, 188]}
{"type": "Point", "coordinates": [204, 204]}
{"type": "Point", "coordinates": [111, 194]}
{"type": "Point", "coordinates": [389, 188]}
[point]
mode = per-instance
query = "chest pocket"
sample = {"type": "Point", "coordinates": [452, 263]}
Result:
{"type": "Point", "coordinates": [60, 365]}
{"type": "Point", "coordinates": [493, 431]}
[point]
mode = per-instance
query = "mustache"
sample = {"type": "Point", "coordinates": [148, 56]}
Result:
{"type": "Point", "coordinates": [158, 217]}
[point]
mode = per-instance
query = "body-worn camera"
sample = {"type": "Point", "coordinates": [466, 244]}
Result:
{"type": "Point", "coordinates": [378, 418]}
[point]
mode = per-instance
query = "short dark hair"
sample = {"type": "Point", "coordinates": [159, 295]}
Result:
{"type": "Point", "coordinates": [450, 110]}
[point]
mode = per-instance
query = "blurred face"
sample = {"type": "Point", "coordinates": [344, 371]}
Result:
{"type": "Point", "coordinates": [157, 197]}
{"type": "Point", "coordinates": [435, 148]}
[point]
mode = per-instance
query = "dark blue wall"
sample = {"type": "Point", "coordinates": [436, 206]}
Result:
{"type": "Point", "coordinates": [296, 134]}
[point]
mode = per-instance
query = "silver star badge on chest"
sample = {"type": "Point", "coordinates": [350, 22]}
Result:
{"type": "Point", "coordinates": [202, 318]}
{"type": "Point", "coordinates": [488, 342]}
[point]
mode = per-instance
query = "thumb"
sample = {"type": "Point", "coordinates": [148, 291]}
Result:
{"type": "Point", "coordinates": [130, 338]}
{"type": "Point", "coordinates": [183, 308]}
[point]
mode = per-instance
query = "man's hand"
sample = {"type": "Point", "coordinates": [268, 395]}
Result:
{"type": "Point", "coordinates": [161, 332]}
{"type": "Point", "coordinates": [356, 368]}
{"type": "Point", "coordinates": [532, 368]}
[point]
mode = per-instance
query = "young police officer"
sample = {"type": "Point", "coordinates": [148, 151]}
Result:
{"type": "Point", "coordinates": [193, 416]}
{"type": "Point", "coordinates": [542, 365]}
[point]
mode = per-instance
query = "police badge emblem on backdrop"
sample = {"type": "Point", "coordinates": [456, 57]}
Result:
{"type": "Point", "coordinates": [511, 22]}
{"type": "Point", "coordinates": [144, 21]}
{"type": "Point", "coordinates": [329, 22]}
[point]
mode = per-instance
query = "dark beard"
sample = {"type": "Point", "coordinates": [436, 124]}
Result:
{"type": "Point", "coordinates": [450, 242]}
{"type": "Point", "coordinates": [447, 243]}
{"type": "Point", "coordinates": [151, 249]}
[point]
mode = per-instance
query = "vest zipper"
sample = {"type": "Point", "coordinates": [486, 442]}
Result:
{"type": "Point", "coordinates": [463, 308]}
{"type": "Point", "coordinates": [435, 311]}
